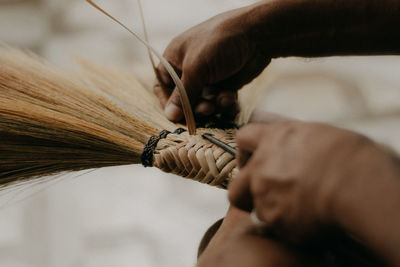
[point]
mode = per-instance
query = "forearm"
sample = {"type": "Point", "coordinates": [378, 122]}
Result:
{"type": "Point", "coordinates": [368, 208]}
{"type": "Point", "coordinates": [313, 28]}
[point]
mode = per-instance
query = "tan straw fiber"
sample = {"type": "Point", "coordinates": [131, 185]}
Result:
{"type": "Point", "coordinates": [55, 121]}
{"type": "Point", "coordinates": [193, 157]}
{"type": "Point", "coordinates": [187, 110]}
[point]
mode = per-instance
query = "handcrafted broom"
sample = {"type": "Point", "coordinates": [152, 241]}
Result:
{"type": "Point", "coordinates": [54, 121]}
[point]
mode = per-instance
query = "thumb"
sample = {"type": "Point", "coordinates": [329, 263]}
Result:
{"type": "Point", "coordinates": [193, 83]}
{"type": "Point", "coordinates": [173, 108]}
{"type": "Point", "coordinates": [247, 139]}
{"type": "Point", "coordinates": [239, 194]}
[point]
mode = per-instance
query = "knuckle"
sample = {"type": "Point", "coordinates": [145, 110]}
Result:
{"type": "Point", "coordinates": [175, 50]}
{"type": "Point", "coordinates": [360, 140]}
{"type": "Point", "coordinates": [171, 49]}
{"type": "Point", "coordinates": [288, 130]}
{"type": "Point", "coordinates": [271, 216]}
{"type": "Point", "coordinates": [259, 185]}
{"type": "Point", "coordinates": [270, 209]}
{"type": "Point", "coordinates": [177, 41]}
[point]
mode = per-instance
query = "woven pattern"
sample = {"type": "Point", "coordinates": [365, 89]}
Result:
{"type": "Point", "coordinates": [196, 158]}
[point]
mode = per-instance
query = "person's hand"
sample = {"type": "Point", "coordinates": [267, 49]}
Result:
{"type": "Point", "coordinates": [302, 178]}
{"type": "Point", "coordinates": [236, 243]}
{"type": "Point", "coordinates": [219, 56]}
{"type": "Point", "coordinates": [214, 60]}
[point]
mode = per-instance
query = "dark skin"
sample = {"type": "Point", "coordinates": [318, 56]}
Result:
{"type": "Point", "coordinates": [302, 178]}
{"type": "Point", "coordinates": [238, 243]}
{"type": "Point", "coordinates": [220, 55]}
{"type": "Point", "coordinates": [307, 178]}
{"type": "Point", "coordinates": [304, 199]}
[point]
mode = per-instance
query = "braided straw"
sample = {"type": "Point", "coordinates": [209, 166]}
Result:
{"type": "Point", "coordinates": [193, 157]}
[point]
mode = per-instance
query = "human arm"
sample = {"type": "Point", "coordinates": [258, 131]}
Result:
{"type": "Point", "coordinates": [220, 55]}
{"type": "Point", "coordinates": [311, 28]}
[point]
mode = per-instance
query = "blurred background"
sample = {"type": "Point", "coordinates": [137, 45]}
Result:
{"type": "Point", "coordinates": [131, 216]}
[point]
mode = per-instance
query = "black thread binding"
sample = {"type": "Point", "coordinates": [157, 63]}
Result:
{"type": "Point", "coordinates": [179, 131]}
{"type": "Point", "coordinates": [163, 134]}
{"type": "Point", "coordinates": [148, 150]}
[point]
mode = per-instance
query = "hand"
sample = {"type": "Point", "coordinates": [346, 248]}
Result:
{"type": "Point", "coordinates": [219, 56]}
{"type": "Point", "coordinates": [236, 243]}
{"type": "Point", "coordinates": [214, 60]}
{"type": "Point", "coordinates": [297, 173]}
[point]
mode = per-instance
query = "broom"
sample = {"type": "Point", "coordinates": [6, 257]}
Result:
{"type": "Point", "coordinates": [54, 121]}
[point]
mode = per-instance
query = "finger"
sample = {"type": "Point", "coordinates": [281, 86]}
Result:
{"type": "Point", "coordinates": [268, 203]}
{"type": "Point", "coordinates": [173, 108]}
{"type": "Point", "coordinates": [229, 114]}
{"type": "Point", "coordinates": [247, 186]}
{"type": "Point", "coordinates": [243, 157]}
{"type": "Point", "coordinates": [249, 136]}
{"type": "Point", "coordinates": [205, 108]}
{"type": "Point", "coordinates": [209, 93]}
{"type": "Point", "coordinates": [266, 207]}
{"type": "Point", "coordinates": [239, 194]}
{"type": "Point", "coordinates": [165, 85]}
{"type": "Point", "coordinates": [165, 78]}
{"type": "Point", "coordinates": [192, 79]}
{"type": "Point", "coordinates": [207, 105]}
{"type": "Point", "coordinates": [227, 104]}
{"type": "Point", "coordinates": [227, 98]}
{"type": "Point", "coordinates": [247, 140]}
{"type": "Point", "coordinates": [161, 94]}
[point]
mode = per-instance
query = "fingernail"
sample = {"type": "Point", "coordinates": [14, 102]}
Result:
{"type": "Point", "coordinates": [173, 112]}
{"type": "Point", "coordinates": [208, 93]}
{"type": "Point", "coordinates": [226, 101]}
{"type": "Point", "coordinates": [205, 108]}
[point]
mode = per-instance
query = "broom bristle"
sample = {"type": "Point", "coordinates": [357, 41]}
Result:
{"type": "Point", "coordinates": [53, 121]}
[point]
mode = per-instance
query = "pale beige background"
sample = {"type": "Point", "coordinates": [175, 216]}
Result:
{"type": "Point", "coordinates": [131, 216]}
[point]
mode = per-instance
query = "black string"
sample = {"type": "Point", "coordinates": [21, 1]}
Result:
{"type": "Point", "coordinates": [148, 150]}
{"type": "Point", "coordinates": [179, 131]}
